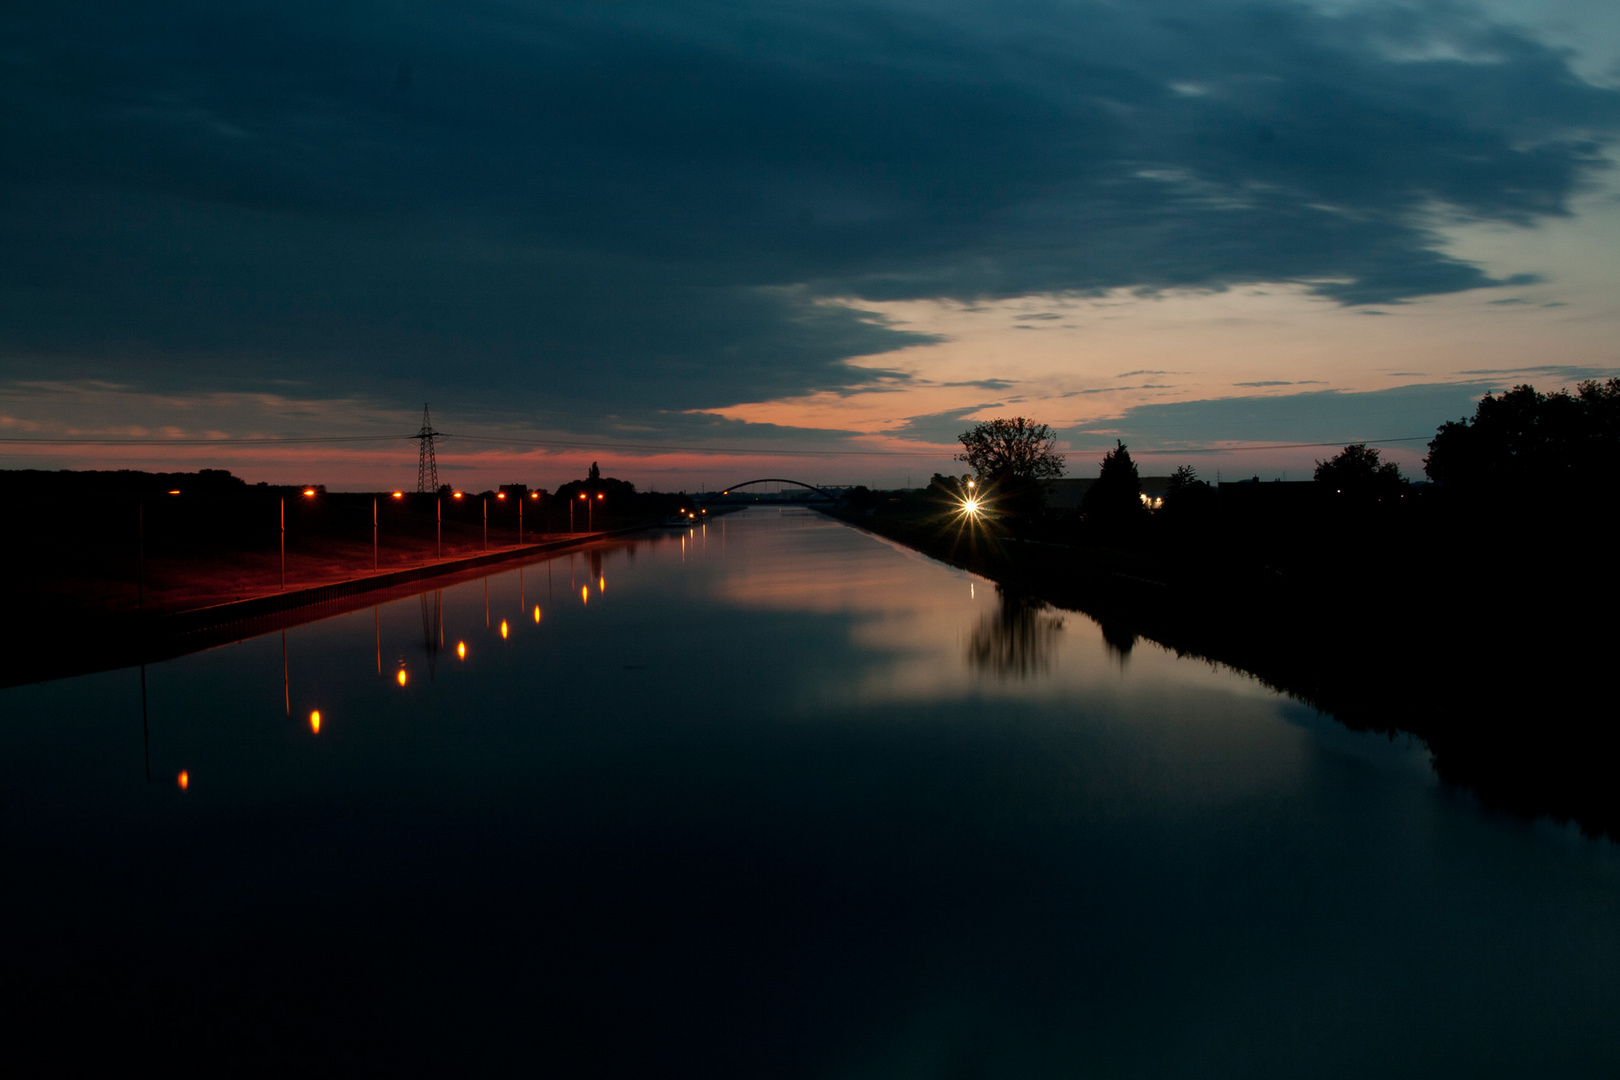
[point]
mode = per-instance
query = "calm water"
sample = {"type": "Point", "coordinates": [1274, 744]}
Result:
{"type": "Point", "coordinates": [777, 800]}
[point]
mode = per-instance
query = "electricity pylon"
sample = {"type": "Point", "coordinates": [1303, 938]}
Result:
{"type": "Point", "coordinates": [427, 465]}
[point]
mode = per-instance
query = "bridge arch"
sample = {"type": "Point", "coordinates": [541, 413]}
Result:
{"type": "Point", "coordinates": [825, 494]}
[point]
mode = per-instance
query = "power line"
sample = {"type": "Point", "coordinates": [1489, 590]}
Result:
{"type": "Point", "coordinates": [228, 441]}
{"type": "Point", "coordinates": [566, 444]}
{"type": "Point", "coordinates": [676, 448]}
{"type": "Point", "coordinates": [1282, 446]}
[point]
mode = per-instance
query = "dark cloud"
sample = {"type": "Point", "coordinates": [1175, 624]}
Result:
{"type": "Point", "coordinates": [1116, 389]}
{"type": "Point", "coordinates": [1398, 413]}
{"type": "Point", "coordinates": [1552, 374]}
{"type": "Point", "coordinates": [578, 211]}
{"type": "Point", "coordinates": [941, 427]}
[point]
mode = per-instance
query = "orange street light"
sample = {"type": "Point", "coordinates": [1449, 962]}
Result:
{"type": "Point", "coordinates": [176, 491]}
{"type": "Point", "coordinates": [400, 677]}
{"type": "Point", "coordinates": [399, 494]}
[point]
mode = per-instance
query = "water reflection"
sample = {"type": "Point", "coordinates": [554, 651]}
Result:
{"type": "Point", "coordinates": [950, 825]}
{"type": "Point", "coordinates": [432, 628]}
{"type": "Point", "coordinates": [1017, 639]}
{"type": "Point", "coordinates": [1119, 638]}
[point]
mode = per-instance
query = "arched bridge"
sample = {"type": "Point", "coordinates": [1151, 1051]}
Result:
{"type": "Point", "coordinates": [813, 493]}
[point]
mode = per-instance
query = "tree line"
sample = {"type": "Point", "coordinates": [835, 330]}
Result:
{"type": "Point", "coordinates": [1520, 443]}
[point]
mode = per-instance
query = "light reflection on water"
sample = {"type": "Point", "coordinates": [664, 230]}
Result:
{"type": "Point", "coordinates": [786, 801]}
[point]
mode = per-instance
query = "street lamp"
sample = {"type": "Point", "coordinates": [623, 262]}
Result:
{"type": "Point", "coordinates": [309, 493]}
{"type": "Point", "coordinates": [571, 513]}
{"type": "Point", "coordinates": [591, 515]}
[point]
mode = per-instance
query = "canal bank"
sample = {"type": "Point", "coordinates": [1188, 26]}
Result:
{"type": "Point", "coordinates": [106, 641]}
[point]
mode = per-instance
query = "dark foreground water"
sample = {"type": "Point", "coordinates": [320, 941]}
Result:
{"type": "Point", "coordinates": [777, 800]}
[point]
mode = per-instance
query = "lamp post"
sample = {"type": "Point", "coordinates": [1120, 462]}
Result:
{"type": "Point", "coordinates": [374, 534]}
{"type": "Point", "coordinates": [582, 495]}
{"type": "Point", "coordinates": [284, 543]}
{"type": "Point", "coordinates": [486, 523]}
{"type": "Point", "coordinates": [438, 524]}
{"type": "Point", "coordinates": [590, 515]}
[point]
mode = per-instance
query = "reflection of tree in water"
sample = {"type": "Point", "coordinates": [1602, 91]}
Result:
{"type": "Point", "coordinates": [1119, 638]}
{"type": "Point", "coordinates": [1017, 639]}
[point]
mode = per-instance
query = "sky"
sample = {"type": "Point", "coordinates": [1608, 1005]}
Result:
{"type": "Point", "coordinates": [703, 242]}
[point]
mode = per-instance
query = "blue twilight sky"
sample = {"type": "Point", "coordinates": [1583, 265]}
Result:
{"type": "Point", "coordinates": [692, 239]}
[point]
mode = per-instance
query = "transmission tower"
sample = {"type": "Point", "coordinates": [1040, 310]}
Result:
{"type": "Point", "coordinates": [427, 466]}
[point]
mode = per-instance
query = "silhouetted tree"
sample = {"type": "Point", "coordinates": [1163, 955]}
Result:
{"type": "Point", "coordinates": [1010, 458]}
{"type": "Point", "coordinates": [1358, 471]}
{"type": "Point", "coordinates": [860, 497]}
{"type": "Point", "coordinates": [1522, 438]}
{"type": "Point", "coordinates": [1185, 491]}
{"type": "Point", "coordinates": [948, 488]}
{"type": "Point", "coordinates": [1019, 448]}
{"type": "Point", "coordinates": [619, 493]}
{"type": "Point", "coordinates": [1117, 494]}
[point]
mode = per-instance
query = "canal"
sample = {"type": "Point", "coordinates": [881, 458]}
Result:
{"type": "Point", "coordinates": [770, 798]}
